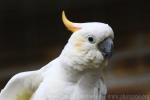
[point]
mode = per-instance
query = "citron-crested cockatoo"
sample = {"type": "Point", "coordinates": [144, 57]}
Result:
{"type": "Point", "coordinates": [75, 75]}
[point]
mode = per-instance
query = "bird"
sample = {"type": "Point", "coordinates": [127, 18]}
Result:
{"type": "Point", "coordinates": [76, 74]}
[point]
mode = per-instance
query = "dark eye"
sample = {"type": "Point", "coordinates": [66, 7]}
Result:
{"type": "Point", "coordinates": [91, 39]}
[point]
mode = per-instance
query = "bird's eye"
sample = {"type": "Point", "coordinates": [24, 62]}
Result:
{"type": "Point", "coordinates": [91, 39]}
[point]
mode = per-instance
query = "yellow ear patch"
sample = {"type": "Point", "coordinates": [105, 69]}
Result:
{"type": "Point", "coordinates": [25, 95]}
{"type": "Point", "coordinates": [79, 42]}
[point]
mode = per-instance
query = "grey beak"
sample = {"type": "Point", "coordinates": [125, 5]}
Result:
{"type": "Point", "coordinates": [106, 47]}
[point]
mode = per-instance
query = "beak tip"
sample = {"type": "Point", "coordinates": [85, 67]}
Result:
{"type": "Point", "coordinates": [107, 54]}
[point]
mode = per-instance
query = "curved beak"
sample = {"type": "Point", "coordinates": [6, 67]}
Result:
{"type": "Point", "coordinates": [106, 47]}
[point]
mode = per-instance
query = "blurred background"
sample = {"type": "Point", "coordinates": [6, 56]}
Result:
{"type": "Point", "coordinates": [32, 34]}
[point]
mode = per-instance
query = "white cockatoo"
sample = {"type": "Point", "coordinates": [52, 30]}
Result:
{"type": "Point", "coordinates": [75, 75]}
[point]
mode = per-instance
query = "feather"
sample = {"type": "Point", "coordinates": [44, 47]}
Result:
{"type": "Point", "coordinates": [21, 86]}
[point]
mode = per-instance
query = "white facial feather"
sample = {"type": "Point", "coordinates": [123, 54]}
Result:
{"type": "Point", "coordinates": [79, 51]}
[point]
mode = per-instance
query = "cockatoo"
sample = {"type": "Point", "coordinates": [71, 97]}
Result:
{"type": "Point", "coordinates": [74, 75]}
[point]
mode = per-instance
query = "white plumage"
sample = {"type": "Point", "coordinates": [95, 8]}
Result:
{"type": "Point", "coordinates": [74, 75]}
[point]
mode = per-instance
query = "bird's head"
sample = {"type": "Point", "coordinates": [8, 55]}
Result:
{"type": "Point", "coordinates": [90, 44]}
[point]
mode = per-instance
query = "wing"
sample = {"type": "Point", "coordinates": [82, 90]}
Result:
{"type": "Point", "coordinates": [21, 86]}
{"type": "Point", "coordinates": [100, 90]}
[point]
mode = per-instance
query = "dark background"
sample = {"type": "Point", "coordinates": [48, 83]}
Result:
{"type": "Point", "coordinates": [32, 34]}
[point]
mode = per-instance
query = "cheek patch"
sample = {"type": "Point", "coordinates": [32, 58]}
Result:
{"type": "Point", "coordinates": [79, 43]}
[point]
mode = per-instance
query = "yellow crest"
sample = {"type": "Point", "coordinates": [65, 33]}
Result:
{"type": "Point", "coordinates": [70, 25]}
